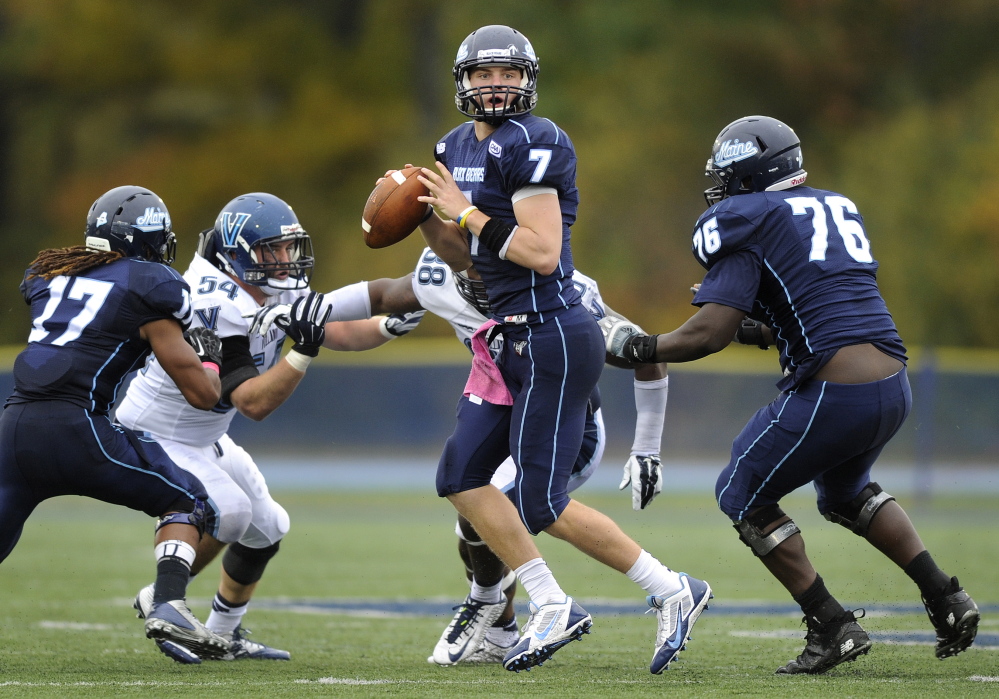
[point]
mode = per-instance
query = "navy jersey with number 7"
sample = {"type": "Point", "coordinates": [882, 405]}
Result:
{"type": "Point", "coordinates": [800, 261]}
{"type": "Point", "coordinates": [85, 330]}
{"type": "Point", "coordinates": [524, 156]}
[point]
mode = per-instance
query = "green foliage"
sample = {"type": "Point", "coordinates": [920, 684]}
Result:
{"type": "Point", "coordinates": [312, 101]}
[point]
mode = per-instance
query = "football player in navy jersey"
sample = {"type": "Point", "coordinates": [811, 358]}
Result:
{"type": "Point", "coordinates": [97, 311]}
{"type": "Point", "coordinates": [792, 265]}
{"type": "Point", "coordinates": [504, 193]}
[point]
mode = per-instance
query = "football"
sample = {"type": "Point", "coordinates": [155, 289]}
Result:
{"type": "Point", "coordinates": [392, 211]}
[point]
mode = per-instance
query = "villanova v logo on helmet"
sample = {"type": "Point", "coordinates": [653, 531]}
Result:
{"type": "Point", "coordinates": [232, 226]}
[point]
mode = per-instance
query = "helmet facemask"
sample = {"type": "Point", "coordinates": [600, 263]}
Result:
{"type": "Point", "coordinates": [495, 45]}
{"type": "Point", "coordinates": [280, 270]}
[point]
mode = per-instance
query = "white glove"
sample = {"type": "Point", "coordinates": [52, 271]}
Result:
{"type": "Point", "coordinates": [645, 474]}
{"type": "Point", "coordinates": [265, 316]}
{"type": "Point", "coordinates": [616, 332]}
{"type": "Point", "coordinates": [399, 324]}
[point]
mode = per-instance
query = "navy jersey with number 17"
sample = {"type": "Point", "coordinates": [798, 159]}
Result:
{"type": "Point", "coordinates": [798, 260]}
{"type": "Point", "coordinates": [523, 157]}
{"type": "Point", "coordinates": [85, 330]}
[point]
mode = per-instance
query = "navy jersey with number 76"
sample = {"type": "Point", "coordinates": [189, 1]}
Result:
{"type": "Point", "coordinates": [85, 330]}
{"type": "Point", "coordinates": [800, 261]}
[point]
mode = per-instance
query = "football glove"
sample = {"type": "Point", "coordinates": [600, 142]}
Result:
{"type": "Point", "coordinates": [645, 475]}
{"type": "Point", "coordinates": [750, 332]}
{"type": "Point", "coordinates": [306, 323]}
{"type": "Point", "coordinates": [617, 330]}
{"type": "Point", "coordinates": [264, 317]}
{"type": "Point", "coordinates": [398, 324]}
{"type": "Point", "coordinates": [206, 344]}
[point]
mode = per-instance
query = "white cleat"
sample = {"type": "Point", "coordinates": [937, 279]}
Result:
{"type": "Point", "coordinates": [173, 622]}
{"type": "Point", "coordinates": [677, 614]}
{"type": "Point", "coordinates": [464, 636]}
{"type": "Point", "coordinates": [550, 627]}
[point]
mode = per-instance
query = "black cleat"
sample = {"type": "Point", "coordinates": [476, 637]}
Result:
{"type": "Point", "coordinates": [829, 644]}
{"type": "Point", "coordinates": [954, 616]}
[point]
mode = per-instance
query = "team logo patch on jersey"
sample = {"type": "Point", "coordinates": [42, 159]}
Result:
{"type": "Point", "coordinates": [518, 347]}
{"type": "Point", "coordinates": [232, 226]}
{"type": "Point", "coordinates": [153, 219]}
{"type": "Point", "coordinates": [495, 149]}
{"type": "Point", "coordinates": [733, 151]}
{"type": "Point", "coordinates": [209, 317]}
{"type": "Point", "coordinates": [440, 147]}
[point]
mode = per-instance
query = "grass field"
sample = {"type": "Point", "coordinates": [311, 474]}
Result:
{"type": "Point", "coordinates": [363, 586]}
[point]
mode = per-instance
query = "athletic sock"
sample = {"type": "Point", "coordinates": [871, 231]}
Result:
{"type": "Point", "coordinates": [225, 616]}
{"type": "Point", "coordinates": [173, 570]}
{"type": "Point", "coordinates": [504, 635]}
{"type": "Point", "coordinates": [171, 580]}
{"type": "Point", "coordinates": [539, 583]}
{"type": "Point", "coordinates": [490, 594]}
{"type": "Point", "coordinates": [653, 577]}
{"type": "Point", "coordinates": [818, 604]}
{"type": "Point", "coordinates": [924, 571]}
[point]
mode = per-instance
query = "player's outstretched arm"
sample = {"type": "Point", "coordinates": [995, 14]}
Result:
{"type": "Point", "coordinates": [198, 383]}
{"type": "Point", "coordinates": [643, 470]}
{"type": "Point", "coordinates": [709, 330]}
{"type": "Point", "coordinates": [393, 296]}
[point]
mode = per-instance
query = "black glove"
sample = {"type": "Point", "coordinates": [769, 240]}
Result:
{"type": "Point", "coordinates": [640, 349]}
{"type": "Point", "coordinates": [750, 332]}
{"type": "Point", "coordinates": [306, 324]}
{"type": "Point", "coordinates": [206, 344]}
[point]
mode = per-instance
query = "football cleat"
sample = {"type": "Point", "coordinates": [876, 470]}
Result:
{"type": "Point", "coordinates": [143, 603]}
{"type": "Point", "coordinates": [829, 644]}
{"type": "Point", "coordinates": [677, 614]}
{"type": "Point", "coordinates": [242, 648]}
{"type": "Point", "coordinates": [550, 627]}
{"type": "Point", "coordinates": [172, 621]}
{"type": "Point", "coordinates": [178, 652]}
{"type": "Point", "coordinates": [955, 616]}
{"type": "Point", "coordinates": [464, 635]}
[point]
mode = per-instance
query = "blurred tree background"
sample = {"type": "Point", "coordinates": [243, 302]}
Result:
{"type": "Point", "coordinates": [896, 103]}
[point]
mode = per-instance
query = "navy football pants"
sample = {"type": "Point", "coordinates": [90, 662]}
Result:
{"type": "Point", "coordinates": [551, 369]}
{"type": "Point", "coordinates": [826, 433]}
{"type": "Point", "coordinates": [51, 448]}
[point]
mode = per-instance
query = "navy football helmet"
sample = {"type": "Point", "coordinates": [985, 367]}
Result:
{"type": "Point", "coordinates": [753, 154]}
{"type": "Point", "coordinates": [133, 221]}
{"type": "Point", "coordinates": [495, 45]}
{"type": "Point", "coordinates": [243, 244]}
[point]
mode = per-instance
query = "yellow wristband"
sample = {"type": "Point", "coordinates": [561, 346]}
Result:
{"type": "Point", "coordinates": [463, 216]}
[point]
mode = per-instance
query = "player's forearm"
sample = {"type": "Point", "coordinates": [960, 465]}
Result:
{"type": "Point", "coordinates": [260, 396]}
{"type": "Point", "coordinates": [354, 336]}
{"type": "Point", "coordinates": [448, 242]}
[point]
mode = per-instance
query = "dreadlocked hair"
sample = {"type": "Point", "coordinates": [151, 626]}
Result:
{"type": "Point", "coordinates": [70, 262]}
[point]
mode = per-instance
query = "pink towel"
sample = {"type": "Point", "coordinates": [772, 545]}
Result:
{"type": "Point", "coordinates": [485, 380]}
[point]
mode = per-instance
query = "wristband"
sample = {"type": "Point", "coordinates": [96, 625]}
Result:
{"type": "Point", "coordinates": [383, 328]}
{"type": "Point", "coordinates": [495, 234]}
{"type": "Point", "coordinates": [299, 362]}
{"type": "Point", "coordinates": [641, 349]}
{"type": "Point", "coordinates": [463, 216]}
{"type": "Point", "coordinates": [426, 217]}
{"type": "Point", "coordinates": [211, 365]}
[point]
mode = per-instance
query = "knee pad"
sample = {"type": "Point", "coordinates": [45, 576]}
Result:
{"type": "Point", "coordinates": [245, 565]}
{"type": "Point", "coordinates": [751, 530]}
{"type": "Point", "coordinates": [857, 514]}
{"type": "Point", "coordinates": [194, 515]}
